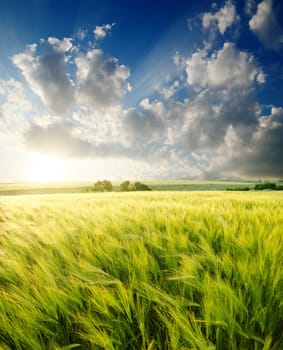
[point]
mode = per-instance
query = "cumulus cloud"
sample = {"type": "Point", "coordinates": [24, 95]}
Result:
{"type": "Point", "coordinates": [145, 125]}
{"type": "Point", "coordinates": [64, 45]}
{"type": "Point", "coordinates": [216, 124]}
{"type": "Point", "coordinates": [15, 107]}
{"type": "Point", "coordinates": [259, 156]}
{"type": "Point", "coordinates": [222, 19]}
{"type": "Point", "coordinates": [227, 67]}
{"type": "Point", "coordinates": [47, 74]}
{"type": "Point", "coordinates": [101, 81]}
{"type": "Point", "coordinates": [57, 140]}
{"type": "Point", "coordinates": [100, 32]}
{"type": "Point", "coordinates": [266, 26]}
{"type": "Point", "coordinates": [201, 123]}
{"type": "Point", "coordinates": [169, 91]}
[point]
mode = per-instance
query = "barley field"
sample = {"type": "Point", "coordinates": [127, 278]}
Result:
{"type": "Point", "coordinates": [145, 271]}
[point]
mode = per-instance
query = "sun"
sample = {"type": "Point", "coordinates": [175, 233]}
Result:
{"type": "Point", "coordinates": [45, 169]}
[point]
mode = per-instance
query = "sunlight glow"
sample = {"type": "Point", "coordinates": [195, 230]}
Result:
{"type": "Point", "coordinates": [45, 169]}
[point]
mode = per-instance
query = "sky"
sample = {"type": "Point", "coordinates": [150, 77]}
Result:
{"type": "Point", "coordinates": [139, 89]}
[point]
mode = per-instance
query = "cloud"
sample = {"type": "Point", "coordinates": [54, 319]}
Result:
{"type": "Point", "coordinates": [64, 45]}
{"type": "Point", "coordinates": [47, 74]}
{"type": "Point", "coordinates": [101, 31]}
{"type": "Point", "coordinates": [169, 91]}
{"type": "Point", "coordinates": [206, 122]}
{"type": "Point", "coordinates": [266, 26]}
{"type": "Point", "coordinates": [225, 67]}
{"type": "Point", "coordinates": [101, 81]}
{"type": "Point", "coordinates": [250, 5]}
{"type": "Point", "coordinates": [222, 19]}
{"type": "Point", "coordinates": [81, 34]}
{"type": "Point", "coordinates": [56, 140]}
{"type": "Point", "coordinates": [146, 125]}
{"type": "Point", "coordinates": [259, 156]}
{"type": "Point", "coordinates": [15, 107]}
{"type": "Point", "coordinates": [201, 123]}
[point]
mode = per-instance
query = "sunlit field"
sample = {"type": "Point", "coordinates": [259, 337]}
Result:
{"type": "Point", "coordinates": [157, 270]}
{"type": "Point", "coordinates": [15, 188]}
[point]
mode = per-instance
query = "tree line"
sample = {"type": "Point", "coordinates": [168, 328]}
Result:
{"type": "Point", "coordinates": [126, 186]}
{"type": "Point", "coordinates": [266, 185]}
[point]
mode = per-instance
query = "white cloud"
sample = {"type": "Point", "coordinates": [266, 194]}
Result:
{"type": "Point", "coordinates": [259, 156]}
{"type": "Point", "coordinates": [46, 120]}
{"type": "Point", "coordinates": [145, 125]}
{"type": "Point", "coordinates": [81, 34]}
{"type": "Point", "coordinates": [57, 140]}
{"type": "Point", "coordinates": [15, 107]}
{"type": "Point", "coordinates": [196, 68]}
{"type": "Point", "coordinates": [217, 126]}
{"type": "Point", "coordinates": [47, 74]}
{"type": "Point", "coordinates": [179, 60]}
{"type": "Point", "coordinates": [266, 26]}
{"type": "Point", "coordinates": [223, 19]}
{"type": "Point", "coordinates": [169, 91]}
{"type": "Point", "coordinates": [101, 31]}
{"type": "Point", "coordinates": [64, 45]}
{"type": "Point", "coordinates": [101, 81]}
{"type": "Point", "coordinates": [250, 5]}
{"type": "Point", "coordinates": [227, 67]}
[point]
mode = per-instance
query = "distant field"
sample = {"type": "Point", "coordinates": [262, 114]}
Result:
{"type": "Point", "coordinates": [148, 271]}
{"type": "Point", "coordinates": [61, 187]}
{"type": "Point", "coordinates": [15, 188]}
{"type": "Point", "coordinates": [183, 185]}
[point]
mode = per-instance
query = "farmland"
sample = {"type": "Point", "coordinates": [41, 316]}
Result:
{"type": "Point", "coordinates": [158, 270]}
{"type": "Point", "coordinates": [75, 187]}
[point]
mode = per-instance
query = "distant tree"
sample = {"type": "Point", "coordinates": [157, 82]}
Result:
{"type": "Point", "coordinates": [125, 186]}
{"type": "Point", "coordinates": [107, 185]}
{"type": "Point", "coordinates": [98, 186]}
{"type": "Point", "coordinates": [265, 186]}
{"type": "Point", "coordinates": [141, 187]}
{"type": "Point", "coordinates": [103, 186]}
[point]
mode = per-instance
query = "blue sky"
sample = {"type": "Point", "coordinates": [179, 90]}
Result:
{"type": "Point", "coordinates": [141, 89]}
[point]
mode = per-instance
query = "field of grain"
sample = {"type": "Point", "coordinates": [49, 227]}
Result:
{"type": "Point", "coordinates": [157, 270]}
{"type": "Point", "coordinates": [20, 188]}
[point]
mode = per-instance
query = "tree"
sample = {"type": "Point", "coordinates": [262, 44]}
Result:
{"type": "Point", "coordinates": [137, 186]}
{"type": "Point", "coordinates": [98, 186]}
{"type": "Point", "coordinates": [125, 186]}
{"type": "Point", "coordinates": [102, 186]}
{"type": "Point", "coordinates": [107, 185]}
{"type": "Point", "coordinates": [141, 187]}
{"type": "Point", "coordinates": [265, 186]}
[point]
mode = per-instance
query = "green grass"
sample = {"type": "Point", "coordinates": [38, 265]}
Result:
{"type": "Point", "coordinates": [169, 270]}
